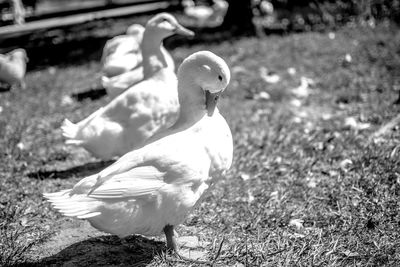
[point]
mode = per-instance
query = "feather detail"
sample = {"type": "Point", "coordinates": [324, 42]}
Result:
{"type": "Point", "coordinates": [73, 205]}
{"type": "Point", "coordinates": [72, 131]}
{"type": "Point", "coordinates": [137, 181]}
{"type": "Point", "coordinates": [69, 129]}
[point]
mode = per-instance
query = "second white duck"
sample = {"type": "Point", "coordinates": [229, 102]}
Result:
{"type": "Point", "coordinates": [141, 111]}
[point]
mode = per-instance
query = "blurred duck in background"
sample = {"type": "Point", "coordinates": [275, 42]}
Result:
{"type": "Point", "coordinates": [206, 15]}
{"type": "Point", "coordinates": [13, 68]}
{"type": "Point", "coordinates": [122, 53]}
{"type": "Point", "coordinates": [18, 11]}
{"type": "Point", "coordinates": [126, 69]}
{"type": "Point", "coordinates": [266, 7]}
{"type": "Point", "coordinates": [141, 111]}
{"type": "Point", "coordinates": [151, 190]}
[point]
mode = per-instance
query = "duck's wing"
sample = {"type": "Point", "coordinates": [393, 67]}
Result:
{"type": "Point", "coordinates": [141, 182]}
{"type": "Point", "coordinates": [123, 81]}
{"type": "Point", "coordinates": [131, 107]}
{"type": "Point", "coordinates": [145, 170]}
{"type": "Point", "coordinates": [112, 46]}
{"type": "Point", "coordinates": [144, 107]}
{"type": "Point", "coordinates": [123, 164]}
{"type": "Point", "coordinates": [3, 59]}
{"type": "Point", "coordinates": [120, 45]}
{"type": "Point", "coordinates": [137, 182]}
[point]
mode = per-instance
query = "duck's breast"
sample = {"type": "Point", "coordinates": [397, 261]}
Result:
{"type": "Point", "coordinates": [219, 144]}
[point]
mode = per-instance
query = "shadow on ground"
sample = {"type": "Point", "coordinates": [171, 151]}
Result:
{"type": "Point", "coordinates": [92, 93]}
{"type": "Point", "coordinates": [81, 171]}
{"type": "Point", "coordinates": [106, 251]}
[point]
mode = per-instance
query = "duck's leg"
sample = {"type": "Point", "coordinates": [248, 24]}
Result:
{"type": "Point", "coordinates": [171, 241]}
{"type": "Point", "coordinates": [173, 247]}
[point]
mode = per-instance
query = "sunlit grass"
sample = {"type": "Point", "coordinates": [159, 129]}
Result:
{"type": "Point", "coordinates": [305, 188]}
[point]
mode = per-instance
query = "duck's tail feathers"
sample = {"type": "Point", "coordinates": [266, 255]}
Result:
{"type": "Point", "coordinates": [70, 132]}
{"type": "Point", "coordinates": [105, 82]}
{"type": "Point", "coordinates": [79, 205]}
{"type": "Point", "coordinates": [69, 129]}
{"type": "Point", "coordinates": [74, 142]}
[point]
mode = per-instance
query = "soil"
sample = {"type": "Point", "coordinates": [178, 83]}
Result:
{"type": "Point", "coordinates": [79, 244]}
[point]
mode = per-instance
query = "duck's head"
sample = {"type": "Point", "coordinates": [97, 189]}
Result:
{"type": "Point", "coordinates": [135, 29]}
{"type": "Point", "coordinates": [165, 25]}
{"type": "Point", "coordinates": [208, 72]}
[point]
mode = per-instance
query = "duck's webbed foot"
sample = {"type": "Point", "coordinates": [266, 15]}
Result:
{"type": "Point", "coordinates": [172, 246]}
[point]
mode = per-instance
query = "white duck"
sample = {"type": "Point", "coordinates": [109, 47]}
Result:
{"type": "Point", "coordinates": [152, 189]}
{"type": "Point", "coordinates": [18, 11]}
{"type": "Point", "coordinates": [122, 53]}
{"type": "Point", "coordinates": [13, 67]}
{"type": "Point", "coordinates": [117, 84]}
{"type": "Point", "coordinates": [139, 112]}
{"type": "Point", "coordinates": [212, 15]}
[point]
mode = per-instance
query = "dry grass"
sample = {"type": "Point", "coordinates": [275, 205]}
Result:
{"type": "Point", "coordinates": [305, 189]}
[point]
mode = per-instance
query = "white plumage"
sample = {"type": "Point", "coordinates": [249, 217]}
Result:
{"type": "Point", "coordinates": [123, 55]}
{"type": "Point", "coordinates": [211, 15]}
{"type": "Point", "coordinates": [116, 85]}
{"type": "Point", "coordinates": [13, 67]}
{"type": "Point", "coordinates": [139, 112]}
{"type": "Point", "coordinates": [153, 188]}
{"type": "Point", "coordinates": [18, 11]}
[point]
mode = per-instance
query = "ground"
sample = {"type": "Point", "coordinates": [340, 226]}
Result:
{"type": "Point", "coordinates": [310, 184]}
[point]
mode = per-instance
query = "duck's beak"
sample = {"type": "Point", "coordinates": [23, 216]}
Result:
{"type": "Point", "coordinates": [183, 31]}
{"type": "Point", "coordinates": [211, 102]}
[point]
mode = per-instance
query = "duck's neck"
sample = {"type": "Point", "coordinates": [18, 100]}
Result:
{"type": "Point", "coordinates": [153, 54]}
{"type": "Point", "coordinates": [192, 102]}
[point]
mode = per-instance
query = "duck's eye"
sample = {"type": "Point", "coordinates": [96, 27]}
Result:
{"type": "Point", "coordinates": [220, 78]}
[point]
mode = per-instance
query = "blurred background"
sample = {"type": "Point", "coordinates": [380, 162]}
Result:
{"type": "Point", "coordinates": [78, 27]}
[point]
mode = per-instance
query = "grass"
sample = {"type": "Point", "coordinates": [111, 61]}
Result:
{"type": "Point", "coordinates": [305, 188]}
{"type": "Point", "coordinates": [19, 233]}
